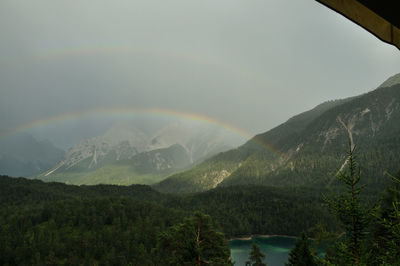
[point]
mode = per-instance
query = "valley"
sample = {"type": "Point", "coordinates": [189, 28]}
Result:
{"type": "Point", "coordinates": [194, 133]}
{"type": "Point", "coordinates": [122, 196]}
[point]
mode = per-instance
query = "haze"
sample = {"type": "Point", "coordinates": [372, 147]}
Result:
{"type": "Point", "coordinates": [251, 64]}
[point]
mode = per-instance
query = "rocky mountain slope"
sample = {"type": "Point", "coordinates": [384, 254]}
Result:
{"type": "Point", "coordinates": [309, 149]}
{"type": "Point", "coordinates": [127, 155]}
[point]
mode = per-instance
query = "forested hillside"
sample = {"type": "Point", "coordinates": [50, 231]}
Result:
{"type": "Point", "coordinates": [307, 150]}
{"type": "Point", "coordinates": [54, 223]}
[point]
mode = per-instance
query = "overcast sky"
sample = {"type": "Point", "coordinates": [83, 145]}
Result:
{"type": "Point", "coordinates": [250, 63]}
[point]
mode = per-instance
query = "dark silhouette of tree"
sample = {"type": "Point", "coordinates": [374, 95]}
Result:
{"type": "Point", "coordinates": [301, 254]}
{"type": "Point", "coordinates": [256, 257]}
{"type": "Point", "coordinates": [348, 209]}
{"type": "Point", "coordinates": [194, 242]}
{"type": "Point", "coordinates": [385, 239]}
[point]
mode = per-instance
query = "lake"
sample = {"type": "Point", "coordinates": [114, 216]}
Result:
{"type": "Point", "coordinates": [276, 248]}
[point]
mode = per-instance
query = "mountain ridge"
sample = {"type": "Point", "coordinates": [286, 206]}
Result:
{"type": "Point", "coordinates": [308, 148]}
{"type": "Point", "coordinates": [120, 155]}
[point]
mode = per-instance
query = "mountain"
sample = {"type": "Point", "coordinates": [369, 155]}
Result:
{"type": "Point", "coordinates": [309, 149]}
{"type": "Point", "coordinates": [393, 80]}
{"type": "Point", "coordinates": [199, 140]}
{"type": "Point", "coordinates": [119, 142]}
{"type": "Point", "coordinates": [142, 168]}
{"type": "Point", "coordinates": [23, 155]}
{"type": "Point", "coordinates": [124, 154]}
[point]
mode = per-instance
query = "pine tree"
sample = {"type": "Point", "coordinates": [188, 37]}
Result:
{"type": "Point", "coordinates": [301, 254]}
{"type": "Point", "coordinates": [348, 209]}
{"type": "Point", "coordinates": [256, 257]}
{"type": "Point", "coordinates": [386, 235]}
{"type": "Point", "coordinates": [193, 242]}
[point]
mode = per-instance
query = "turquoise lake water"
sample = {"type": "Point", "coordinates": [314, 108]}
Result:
{"type": "Point", "coordinates": [276, 248]}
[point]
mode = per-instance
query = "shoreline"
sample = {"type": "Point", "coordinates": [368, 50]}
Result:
{"type": "Point", "coordinates": [250, 237]}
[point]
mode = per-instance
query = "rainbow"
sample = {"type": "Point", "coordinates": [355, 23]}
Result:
{"type": "Point", "coordinates": [120, 111]}
{"type": "Point", "coordinates": [234, 70]}
{"type": "Point", "coordinates": [51, 55]}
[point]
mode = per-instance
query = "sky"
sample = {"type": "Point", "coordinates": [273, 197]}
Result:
{"type": "Point", "coordinates": [251, 64]}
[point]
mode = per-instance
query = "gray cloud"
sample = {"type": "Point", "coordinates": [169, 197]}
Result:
{"type": "Point", "coordinates": [250, 63]}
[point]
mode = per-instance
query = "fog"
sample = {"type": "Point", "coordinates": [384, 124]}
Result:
{"type": "Point", "coordinates": [251, 64]}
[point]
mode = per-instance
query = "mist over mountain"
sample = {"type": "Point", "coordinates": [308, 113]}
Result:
{"type": "Point", "coordinates": [65, 133]}
{"type": "Point", "coordinates": [309, 149]}
{"type": "Point", "coordinates": [23, 155]}
{"type": "Point", "coordinates": [126, 154]}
